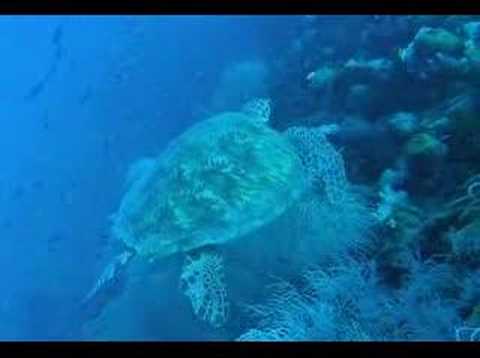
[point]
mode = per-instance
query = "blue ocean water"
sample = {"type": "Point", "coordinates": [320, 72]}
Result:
{"type": "Point", "coordinates": [379, 114]}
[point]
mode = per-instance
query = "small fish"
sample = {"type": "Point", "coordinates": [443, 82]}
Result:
{"type": "Point", "coordinates": [57, 35]}
{"type": "Point", "coordinates": [39, 87]}
{"type": "Point", "coordinates": [86, 96]}
{"type": "Point", "coordinates": [35, 90]}
{"type": "Point", "coordinates": [104, 236]}
{"type": "Point", "coordinates": [283, 260]}
{"type": "Point", "coordinates": [53, 242]}
{"type": "Point", "coordinates": [45, 122]}
{"type": "Point", "coordinates": [7, 223]}
{"type": "Point", "coordinates": [18, 192]}
{"type": "Point", "coordinates": [67, 198]}
{"type": "Point", "coordinates": [55, 238]}
{"type": "Point", "coordinates": [58, 54]}
{"type": "Point", "coordinates": [198, 76]}
{"type": "Point", "coordinates": [5, 305]}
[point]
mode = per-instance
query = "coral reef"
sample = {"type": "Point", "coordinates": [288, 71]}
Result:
{"type": "Point", "coordinates": [406, 117]}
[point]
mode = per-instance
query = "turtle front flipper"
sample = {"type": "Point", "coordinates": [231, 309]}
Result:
{"type": "Point", "coordinates": [203, 282]}
{"type": "Point", "coordinates": [107, 280]}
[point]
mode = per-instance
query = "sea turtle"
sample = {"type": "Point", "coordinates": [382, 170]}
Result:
{"type": "Point", "coordinates": [221, 179]}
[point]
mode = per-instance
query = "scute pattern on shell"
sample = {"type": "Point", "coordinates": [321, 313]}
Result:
{"type": "Point", "coordinates": [216, 182]}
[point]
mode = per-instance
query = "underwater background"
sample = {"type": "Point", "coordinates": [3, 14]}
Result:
{"type": "Point", "coordinates": [240, 178]}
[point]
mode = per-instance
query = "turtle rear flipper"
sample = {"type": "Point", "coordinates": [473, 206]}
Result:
{"type": "Point", "coordinates": [108, 282]}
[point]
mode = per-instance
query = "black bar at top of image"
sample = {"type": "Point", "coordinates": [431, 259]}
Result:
{"type": "Point", "coordinates": [240, 7]}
